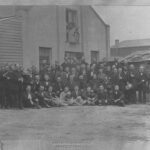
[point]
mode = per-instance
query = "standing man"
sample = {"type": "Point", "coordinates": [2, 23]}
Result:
{"type": "Point", "coordinates": [2, 88]}
{"type": "Point", "coordinates": [58, 86]}
{"type": "Point", "coordinates": [14, 78]}
{"type": "Point", "coordinates": [36, 84]}
{"type": "Point", "coordinates": [141, 84]}
{"type": "Point", "coordinates": [19, 76]}
{"type": "Point", "coordinates": [132, 81]}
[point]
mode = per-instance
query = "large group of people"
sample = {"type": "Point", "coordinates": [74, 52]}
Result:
{"type": "Point", "coordinates": [73, 83]}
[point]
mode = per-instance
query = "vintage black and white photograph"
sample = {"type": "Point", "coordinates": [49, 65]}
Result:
{"type": "Point", "coordinates": [74, 75]}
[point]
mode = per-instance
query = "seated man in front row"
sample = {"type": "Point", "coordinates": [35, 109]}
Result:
{"type": "Point", "coordinates": [51, 98]}
{"type": "Point", "coordinates": [77, 96]}
{"type": "Point", "coordinates": [67, 98]}
{"type": "Point", "coordinates": [101, 96]}
{"type": "Point", "coordinates": [40, 96]}
{"type": "Point", "coordinates": [29, 99]}
{"type": "Point", "coordinates": [89, 96]}
{"type": "Point", "coordinates": [118, 96]}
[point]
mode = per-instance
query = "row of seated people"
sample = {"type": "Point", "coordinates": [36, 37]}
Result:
{"type": "Point", "coordinates": [88, 96]}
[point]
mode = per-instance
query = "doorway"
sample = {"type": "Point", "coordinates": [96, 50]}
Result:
{"type": "Point", "coordinates": [77, 55]}
{"type": "Point", "coordinates": [94, 56]}
{"type": "Point", "coordinates": [45, 57]}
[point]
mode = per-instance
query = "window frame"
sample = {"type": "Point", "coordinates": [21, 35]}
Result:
{"type": "Point", "coordinates": [74, 23]}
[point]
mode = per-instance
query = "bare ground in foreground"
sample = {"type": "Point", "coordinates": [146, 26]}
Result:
{"type": "Point", "coordinates": [77, 127]}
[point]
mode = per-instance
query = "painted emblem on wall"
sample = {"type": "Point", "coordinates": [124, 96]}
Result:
{"type": "Point", "coordinates": [73, 33]}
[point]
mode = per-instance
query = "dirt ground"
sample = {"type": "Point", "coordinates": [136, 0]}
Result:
{"type": "Point", "coordinates": [76, 128]}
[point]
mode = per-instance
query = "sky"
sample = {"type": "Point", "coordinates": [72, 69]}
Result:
{"type": "Point", "coordinates": [126, 22]}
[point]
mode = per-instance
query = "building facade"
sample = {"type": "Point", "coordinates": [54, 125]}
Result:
{"type": "Point", "coordinates": [124, 48]}
{"type": "Point", "coordinates": [37, 35]}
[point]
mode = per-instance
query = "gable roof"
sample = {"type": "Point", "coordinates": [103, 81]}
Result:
{"type": "Point", "coordinates": [133, 43]}
{"type": "Point", "coordinates": [98, 16]}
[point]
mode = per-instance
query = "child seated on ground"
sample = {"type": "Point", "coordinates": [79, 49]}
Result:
{"type": "Point", "coordinates": [29, 99]}
{"type": "Point", "coordinates": [101, 96]}
{"type": "Point", "coordinates": [89, 96]}
{"type": "Point", "coordinates": [118, 96]}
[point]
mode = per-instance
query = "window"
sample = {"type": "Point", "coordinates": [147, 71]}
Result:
{"type": "Point", "coordinates": [71, 17]}
{"type": "Point", "coordinates": [72, 33]}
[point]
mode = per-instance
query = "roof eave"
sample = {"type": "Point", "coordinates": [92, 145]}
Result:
{"type": "Point", "coordinates": [113, 47]}
{"type": "Point", "coordinates": [98, 16]}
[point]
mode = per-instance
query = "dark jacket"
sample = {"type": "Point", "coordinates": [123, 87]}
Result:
{"type": "Point", "coordinates": [46, 85]}
{"type": "Point", "coordinates": [26, 101]}
{"type": "Point", "coordinates": [117, 95]}
{"type": "Point", "coordinates": [58, 88]}
{"type": "Point", "coordinates": [101, 95]}
{"type": "Point", "coordinates": [36, 86]}
{"type": "Point", "coordinates": [141, 81]}
{"type": "Point", "coordinates": [75, 94]}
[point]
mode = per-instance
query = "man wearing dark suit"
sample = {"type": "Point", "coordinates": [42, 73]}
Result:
{"type": "Point", "coordinates": [36, 84]}
{"type": "Point", "coordinates": [65, 63]}
{"type": "Point", "coordinates": [122, 80]}
{"type": "Point", "coordinates": [27, 80]}
{"type": "Point", "coordinates": [141, 84]}
{"type": "Point", "coordinates": [19, 75]}
{"type": "Point", "coordinates": [125, 74]}
{"type": "Point", "coordinates": [29, 99]}
{"type": "Point", "coordinates": [76, 92]}
{"type": "Point", "coordinates": [73, 79]}
{"type": "Point", "coordinates": [131, 85]}
{"type": "Point", "coordinates": [94, 82]}
{"type": "Point", "coordinates": [118, 97]}
{"type": "Point", "coordinates": [12, 77]}
{"type": "Point", "coordinates": [7, 86]}
{"type": "Point", "coordinates": [77, 96]}
{"type": "Point", "coordinates": [58, 86]}
{"type": "Point", "coordinates": [46, 82]}
{"type": "Point", "coordinates": [66, 76]}
{"type": "Point", "coordinates": [101, 96]}
{"type": "Point", "coordinates": [115, 76]}
{"type": "Point", "coordinates": [40, 97]}
{"type": "Point", "coordinates": [89, 96]}
{"type": "Point", "coordinates": [2, 88]}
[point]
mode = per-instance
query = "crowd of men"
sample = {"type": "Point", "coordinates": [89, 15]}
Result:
{"type": "Point", "coordinates": [73, 83]}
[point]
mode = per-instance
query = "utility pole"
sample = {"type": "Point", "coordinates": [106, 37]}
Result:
{"type": "Point", "coordinates": [58, 35]}
{"type": "Point", "coordinates": [117, 47]}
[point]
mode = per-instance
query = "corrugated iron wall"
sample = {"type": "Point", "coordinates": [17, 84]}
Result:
{"type": "Point", "coordinates": [11, 50]}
